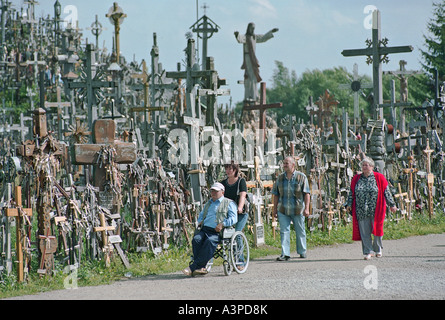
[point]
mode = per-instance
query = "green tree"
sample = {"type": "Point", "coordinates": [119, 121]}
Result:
{"type": "Point", "coordinates": [434, 55]}
{"type": "Point", "coordinates": [294, 92]}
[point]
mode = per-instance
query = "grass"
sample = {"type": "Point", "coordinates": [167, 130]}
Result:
{"type": "Point", "coordinates": [93, 273]}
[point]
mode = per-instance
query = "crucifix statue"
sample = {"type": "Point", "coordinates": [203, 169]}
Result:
{"type": "Point", "coordinates": [250, 61]}
{"type": "Point", "coordinates": [377, 52]}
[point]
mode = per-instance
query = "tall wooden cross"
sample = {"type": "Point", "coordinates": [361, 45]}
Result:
{"type": "Point", "coordinates": [410, 171]}
{"type": "Point", "coordinates": [377, 52]}
{"type": "Point", "coordinates": [262, 107]}
{"type": "Point", "coordinates": [116, 16]}
{"type": "Point", "coordinates": [18, 212]}
{"type": "Point", "coordinates": [430, 177]}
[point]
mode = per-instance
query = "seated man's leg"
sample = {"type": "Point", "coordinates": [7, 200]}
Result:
{"type": "Point", "coordinates": [204, 246]}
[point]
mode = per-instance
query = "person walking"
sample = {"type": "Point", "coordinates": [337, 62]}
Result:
{"type": "Point", "coordinates": [367, 202]}
{"type": "Point", "coordinates": [291, 203]}
{"type": "Point", "coordinates": [236, 190]}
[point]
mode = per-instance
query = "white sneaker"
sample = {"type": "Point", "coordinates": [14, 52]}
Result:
{"type": "Point", "coordinates": [368, 256]}
{"type": "Point", "coordinates": [378, 255]}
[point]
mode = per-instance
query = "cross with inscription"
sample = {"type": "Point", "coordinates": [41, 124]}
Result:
{"type": "Point", "coordinates": [377, 52]}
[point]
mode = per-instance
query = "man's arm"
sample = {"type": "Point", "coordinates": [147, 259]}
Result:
{"type": "Point", "coordinates": [307, 199]}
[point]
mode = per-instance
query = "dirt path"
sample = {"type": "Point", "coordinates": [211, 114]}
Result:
{"type": "Point", "coordinates": [411, 268]}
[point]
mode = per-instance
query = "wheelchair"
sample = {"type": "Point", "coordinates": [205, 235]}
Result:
{"type": "Point", "coordinates": [233, 247]}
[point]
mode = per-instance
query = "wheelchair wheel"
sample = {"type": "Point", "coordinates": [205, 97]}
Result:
{"type": "Point", "coordinates": [239, 252]}
{"type": "Point", "coordinates": [227, 268]}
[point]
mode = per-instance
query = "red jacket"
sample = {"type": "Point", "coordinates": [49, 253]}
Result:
{"type": "Point", "coordinates": [380, 210]}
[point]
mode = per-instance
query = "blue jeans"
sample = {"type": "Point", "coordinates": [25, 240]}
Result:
{"type": "Point", "coordinates": [203, 245]}
{"type": "Point", "coordinates": [242, 220]}
{"type": "Point", "coordinates": [300, 233]}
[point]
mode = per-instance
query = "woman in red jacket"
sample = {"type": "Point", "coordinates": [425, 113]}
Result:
{"type": "Point", "coordinates": [367, 202]}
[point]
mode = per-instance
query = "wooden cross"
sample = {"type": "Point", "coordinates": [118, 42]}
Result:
{"type": "Point", "coordinates": [401, 196]}
{"type": "Point", "coordinates": [19, 212]}
{"type": "Point", "coordinates": [103, 135]}
{"type": "Point", "coordinates": [324, 103]}
{"type": "Point", "coordinates": [104, 229]}
{"type": "Point", "coordinates": [430, 177]}
{"type": "Point", "coordinates": [410, 171]}
{"type": "Point", "coordinates": [377, 52]}
{"type": "Point", "coordinates": [262, 107]}
{"type": "Point", "coordinates": [311, 108]}
{"type": "Point", "coordinates": [116, 16]}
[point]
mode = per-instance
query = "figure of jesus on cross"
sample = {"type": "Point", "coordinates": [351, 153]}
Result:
{"type": "Point", "coordinates": [250, 61]}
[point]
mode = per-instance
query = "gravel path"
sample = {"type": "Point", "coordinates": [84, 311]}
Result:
{"type": "Point", "coordinates": [411, 268]}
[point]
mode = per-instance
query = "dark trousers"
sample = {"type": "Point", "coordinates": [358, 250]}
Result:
{"type": "Point", "coordinates": [204, 245]}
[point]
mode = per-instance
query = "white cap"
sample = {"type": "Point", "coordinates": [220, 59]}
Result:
{"type": "Point", "coordinates": [217, 186]}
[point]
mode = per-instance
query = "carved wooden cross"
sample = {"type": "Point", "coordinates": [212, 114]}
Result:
{"type": "Point", "coordinates": [19, 212]}
{"type": "Point", "coordinates": [410, 171]}
{"type": "Point", "coordinates": [103, 135]}
{"type": "Point", "coordinates": [262, 107]}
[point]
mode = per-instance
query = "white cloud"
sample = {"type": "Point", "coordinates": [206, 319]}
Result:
{"type": "Point", "coordinates": [262, 8]}
{"type": "Point", "coordinates": [341, 20]}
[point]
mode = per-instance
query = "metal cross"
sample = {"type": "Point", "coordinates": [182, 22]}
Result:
{"type": "Point", "coordinates": [377, 52]}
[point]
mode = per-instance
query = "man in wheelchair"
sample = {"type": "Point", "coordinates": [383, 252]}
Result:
{"type": "Point", "coordinates": [219, 212]}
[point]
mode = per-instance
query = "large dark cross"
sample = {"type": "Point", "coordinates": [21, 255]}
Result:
{"type": "Point", "coordinates": [377, 52]}
{"type": "Point", "coordinates": [91, 83]}
{"type": "Point", "coordinates": [204, 28]}
{"type": "Point", "coordinates": [104, 135]}
{"type": "Point", "coordinates": [262, 107]}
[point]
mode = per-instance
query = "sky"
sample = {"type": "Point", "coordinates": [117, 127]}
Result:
{"type": "Point", "coordinates": [312, 34]}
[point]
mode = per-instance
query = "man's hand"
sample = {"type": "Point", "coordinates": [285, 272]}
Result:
{"type": "Point", "coordinates": [219, 227]}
